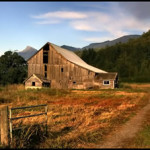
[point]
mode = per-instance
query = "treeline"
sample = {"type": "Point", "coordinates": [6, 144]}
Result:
{"type": "Point", "coordinates": [131, 60]}
{"type": "Point", "coordinates": [13, 68]}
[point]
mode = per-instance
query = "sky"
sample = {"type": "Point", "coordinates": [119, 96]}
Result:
{"type": "Point", "coordinates": [75, 24]}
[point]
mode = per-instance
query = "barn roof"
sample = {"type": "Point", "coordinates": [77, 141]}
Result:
{"type": "Point", "coordinates": [40, 77]}
{"type": "Point", "coordinates": [107, 76]}
{"type": "Point", "coordinates": [72, 57]}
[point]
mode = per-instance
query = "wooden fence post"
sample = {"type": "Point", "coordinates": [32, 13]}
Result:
{"type": "Point", "coordinates": [4, 126]}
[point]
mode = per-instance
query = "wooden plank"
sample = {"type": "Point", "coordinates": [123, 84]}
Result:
{"type": "Point", "coordinates": [28, 106]}
{"type": "Point", "coordinates": [4, 126]}
{"type": "Point", "coordinates": [15, 118]}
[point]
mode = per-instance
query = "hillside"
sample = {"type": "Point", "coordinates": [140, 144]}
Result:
{"type": "Point", "coordinates": [70, 48]}
{"type": "Point", "coordinates": [122, 39]}
{"type": "Point", "coordinates": [27, 52]}
{"type": "Point", "coordinates": [131, 60]}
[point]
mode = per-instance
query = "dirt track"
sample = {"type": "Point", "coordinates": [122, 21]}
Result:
{"type": "Point", "coordinates": [127, 131]}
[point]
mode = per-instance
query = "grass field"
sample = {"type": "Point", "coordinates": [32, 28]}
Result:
{"type": "Point", "coordinates": [76, 118]}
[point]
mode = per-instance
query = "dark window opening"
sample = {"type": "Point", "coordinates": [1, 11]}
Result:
{"type": "Point", "coordinates": [74, 82]}
{"type": "Point", "coordinates": [46, 47]}
{"type": "Point", "coordinates": [96, 74]}
{"type": "Point", "coordinates": [33, 83]}
{"type": "Point", "coordinates": [45, 74]}
{"type": "Point", "coordinates": [45, 57]}
{"type": "Point", "coordinates": [62, 69]}
{"type": "Point", "coordinates": [106, 82]}
{"type": "Point", "coordinates": [45, 53]}
{"type": "Point", "coordinates": [46, 84]}
{"type": "Point", "coordinates": [45, 68]}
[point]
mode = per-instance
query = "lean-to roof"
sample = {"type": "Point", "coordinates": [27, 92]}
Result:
{"type": "Point", "coordinates": [107, 76]}
{"type": "Point", "coordinates": [40, 77]}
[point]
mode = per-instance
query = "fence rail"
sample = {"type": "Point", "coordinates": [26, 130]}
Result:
{"type": "Point", "coordinates": [15, 118]}
{"type": "Point", "coordinates": [28, 107]}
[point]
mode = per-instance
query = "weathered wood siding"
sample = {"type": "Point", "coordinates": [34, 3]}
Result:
{"type": "Point", "coordinates": [28, 83]}
{"type": "Point", "coordinates": [35, 64]}
{"type": "Point", "coordinates": [61, 72]}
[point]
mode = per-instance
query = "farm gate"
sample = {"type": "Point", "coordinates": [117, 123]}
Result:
{"type": "Point", "coordinates": [6, 119]}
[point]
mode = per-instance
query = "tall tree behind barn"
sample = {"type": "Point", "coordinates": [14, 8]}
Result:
{"type": "Point", "coordinates": [63, 69]}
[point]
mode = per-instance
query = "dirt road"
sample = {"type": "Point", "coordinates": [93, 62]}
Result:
{"type": "Point", "coordinates": [127, 131]}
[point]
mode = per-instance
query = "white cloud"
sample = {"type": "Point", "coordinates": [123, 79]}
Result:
{"type": "Point", "coordinates": [114, 24]}
{"type": "Point", "coordinates": [117, 23]}
{"type": "Point", "coordinates": [82, 25]}
{"type": "Point", "coordinates": [61, 15]}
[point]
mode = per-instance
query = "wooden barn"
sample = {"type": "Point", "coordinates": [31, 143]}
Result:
{"type": "Point", "coordinates": [59, 68]}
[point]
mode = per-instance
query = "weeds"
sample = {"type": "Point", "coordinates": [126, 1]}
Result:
{"type": "Point", "coordinates": [29, 136]}
{"type": "Point", "coordinates": [76, 118]}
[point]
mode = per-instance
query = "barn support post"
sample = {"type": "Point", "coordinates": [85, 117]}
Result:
{"type": "Point", "coordinates": [4, 124]}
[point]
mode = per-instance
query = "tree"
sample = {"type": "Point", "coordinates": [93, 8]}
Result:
{"type": "Point", "coordinates": [13, 68]}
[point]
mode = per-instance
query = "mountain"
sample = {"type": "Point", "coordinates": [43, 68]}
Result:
{"type": "Point", "coordinates": [70, 48]}
{"type": "Point", "coordinates": [27, 52]}
{"type": "Point", "coordinates": [122, 39]}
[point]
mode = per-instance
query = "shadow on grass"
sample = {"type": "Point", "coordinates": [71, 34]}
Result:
{"type": "Point", "coordinates": [29, 136]}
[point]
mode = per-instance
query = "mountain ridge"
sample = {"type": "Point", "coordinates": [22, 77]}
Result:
{"type": "Point", "coordinates": [99, 45]}
{"type": "Point", "coordinates": [30, 51]}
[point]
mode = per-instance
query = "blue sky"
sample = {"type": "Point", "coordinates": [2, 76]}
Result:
{"type": "Point", "coordinates": [71, 23]}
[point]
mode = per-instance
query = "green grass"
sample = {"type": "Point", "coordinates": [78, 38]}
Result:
{"type": "Point", "coordinates": [143, 137]}
{"type": "Point", "coordinates": [141, 140]}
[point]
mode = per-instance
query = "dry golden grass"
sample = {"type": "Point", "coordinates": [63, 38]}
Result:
{"type": "Point", "coordinates": [76, 118]}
